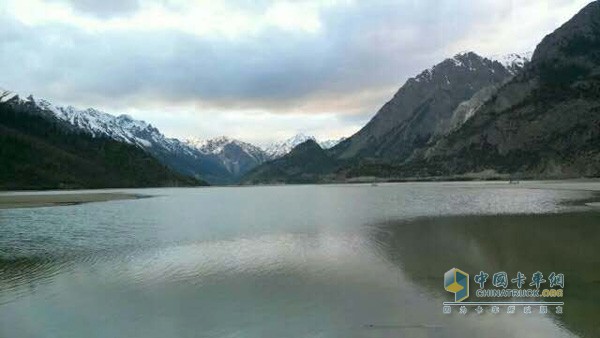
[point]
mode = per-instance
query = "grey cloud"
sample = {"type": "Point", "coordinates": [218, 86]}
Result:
{"type": "Point", "coordinates": [103, 8]}
{"type": "Point", "coordinates": [373, 44]}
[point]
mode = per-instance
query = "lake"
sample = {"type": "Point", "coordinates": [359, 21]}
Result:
{"type": "Point", "coordinates": [297, 261]}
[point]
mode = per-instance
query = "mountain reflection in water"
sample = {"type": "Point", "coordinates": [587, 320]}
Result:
{"type": "Point", "coordinates": [568, 243]}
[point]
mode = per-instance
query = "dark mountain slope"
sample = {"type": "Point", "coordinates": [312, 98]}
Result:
{"type": "Point", "coordinates": [38, 151]}
{"type": "Point", "coordinates": [236, 157]}
{"type": "Point", "coordinates": [173, 153]}
{"type": "Point", "coordinates": [307, 162]}
{"type": "Point", "coordinates": [423, 108]}
{"type": "Point", "coordinates": [543, 123]}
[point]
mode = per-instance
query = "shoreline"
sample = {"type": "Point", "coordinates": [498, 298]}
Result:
{"type": "Point", "coordinates": [31, 199]}
{"type": "Point", "coordinates": [50, 200]}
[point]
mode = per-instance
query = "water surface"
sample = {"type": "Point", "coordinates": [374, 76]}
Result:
{"type": "Point", "coordinates": [294, 261]}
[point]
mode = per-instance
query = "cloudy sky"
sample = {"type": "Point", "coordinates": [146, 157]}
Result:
{"type": "Point", "coordinates": [256, 70]}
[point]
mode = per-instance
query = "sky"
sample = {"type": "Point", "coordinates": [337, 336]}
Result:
{"type": "Point", "coordinates": [257, 70]}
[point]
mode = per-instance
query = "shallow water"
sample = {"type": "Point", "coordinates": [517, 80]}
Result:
{"type": "Point", "coordinates": [293, 261]}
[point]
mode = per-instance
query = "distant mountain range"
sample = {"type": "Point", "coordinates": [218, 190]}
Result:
{"type": "Point", "coordinates": [279, 149]}
{"type": "Point", "coordinates": [41, 151]}
{"type": "Point", "coordinates": [235, 156]}
{"type": "Point", "coordinates": [475, 117]}
{"type": "Point", "coordinates": [220, 160]}
{"type": "Point", "coordinates": [175, 154]}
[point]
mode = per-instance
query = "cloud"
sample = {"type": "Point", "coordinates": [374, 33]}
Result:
{"type": "Point", "coordinates": [300, 58]}
{"type": "Point", "coordinates": [105, 8]}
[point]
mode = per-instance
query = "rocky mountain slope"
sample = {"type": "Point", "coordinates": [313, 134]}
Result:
{"type": "Point", "coordinates": [40, 151]}
{"type": "Point", "coordinates": [422, 109]}
{"type": "Point", "coordinates": [543, 123]}
{"type": "Point", "coordinates": [236, 156]}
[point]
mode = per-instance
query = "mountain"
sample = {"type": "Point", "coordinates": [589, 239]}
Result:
{"type": "Point", "coordinates": [513, 62]}
{"type": "Point", "coordinates": [40, 151]}
{"type": "Point", "coordinates": [219, 161]}
{"type": "Point", "coordinates": [236, 156]}
{"type": "Point", "coordinates": [305, 163]}
{"type": "Point", "coordinates": [543, 123]}
{"type": "Point", "coordinates": [422, 109]}
{"type": "Point", "coordinates": [177, 155]}
{"type": "Point", "coordinates": [474, 117]}
{"type": "Point", "coordinates": [241, 157]}
{"type": "Point", "coordinates": [328, 144]}
{"type": "Point", "coordinates": [278, 149]}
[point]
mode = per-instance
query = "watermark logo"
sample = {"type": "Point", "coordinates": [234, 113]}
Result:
{"type": "Point", "coordinates": [457, 282]}
{"type": "Point", "coordinates": [497, 292]}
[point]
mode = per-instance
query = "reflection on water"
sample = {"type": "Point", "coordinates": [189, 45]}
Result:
{"type": "Point", "coordinates": [307, 261]}
{"type": "Point", "coordinates": [567, 243]}
{"type": "Point", "coordinates": [23, 275]}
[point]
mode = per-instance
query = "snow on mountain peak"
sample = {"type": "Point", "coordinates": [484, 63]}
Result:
{"type": "Point", "coordinates": [513, 61]}
{"type": "Point", "coordinates": [278, 149]}
{"type": "Point", "coordinates": [218, 145]}
{"type": "Point", "coordinates": [235, 156]}
{"type": "Point", "coordinates": [465, 59]}
{"type": "Point", "coordinates": [123, 128]}
{"type": "Point", "coordinates": [209, 146]}
{"type": "Point", "coordinates": [331, 143]}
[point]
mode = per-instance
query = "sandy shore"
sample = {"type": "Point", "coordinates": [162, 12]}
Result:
{"type": "Point", "coordinates": [46, 200]}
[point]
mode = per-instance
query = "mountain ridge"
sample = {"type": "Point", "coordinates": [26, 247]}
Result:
{"type": "Point", "coordinates": [558, 95]}
{"type": "Point", "coordinates": [237, 156]}
{"type": "Point", "coordinates": [40, 151]}
{"type": "Point", "coordinates": [305, 163]}
{"type": "Point", "coordinates": [180, 156]}
{"type": "Point", "coordinates": [220, 160]}
{"type": "Point", "coordinates": [278, 149]}
{"type": "Point", "coordinates": [422, 107]}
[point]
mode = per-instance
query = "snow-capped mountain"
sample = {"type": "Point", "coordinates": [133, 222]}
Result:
{"type": "Point", "coordinates": [330, 143]}
{"type": "Point", "coordinates": [514, 62]}
{"type": "Point", "coordinates": [219, 144]}
{"type": "Point", "coordinates": [121, 128]}
{"type": "Point", "coordinates": [220, 160]}
{"type": "Point", "coordinates": [237, 156]}
{"type": "Point", "coordinates": [278, 149]}
{"type": "Point", "coordinates": [6, 95]}
{"type": "Point", "coordinates": [172, 152]}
